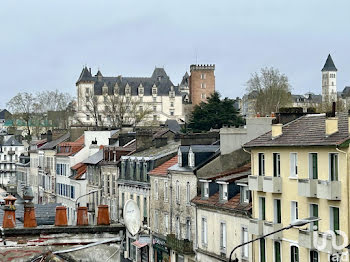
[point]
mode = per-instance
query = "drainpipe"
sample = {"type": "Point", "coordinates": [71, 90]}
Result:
{"type": "Point", "coordinates": [348, 182]}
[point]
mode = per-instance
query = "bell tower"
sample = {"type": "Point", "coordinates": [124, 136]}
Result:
{"type": "Point", "coordinates": [329, 81]}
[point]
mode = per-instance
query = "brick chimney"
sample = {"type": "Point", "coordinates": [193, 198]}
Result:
{"type": "Point", "coordinates": [10, 212]}
{"type": "Point", "coordinates": [82, 216]}
{"type": "Point", "coordinates": [103, 215]}
{"type": "Point", "coordinates": [61, 216]}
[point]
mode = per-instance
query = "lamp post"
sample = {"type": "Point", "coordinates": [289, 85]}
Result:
{"type": "Point", "coordinates": [297, 223]}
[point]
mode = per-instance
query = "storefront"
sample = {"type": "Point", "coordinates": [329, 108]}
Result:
{"type": "Point", "coordinates": [160, 250]}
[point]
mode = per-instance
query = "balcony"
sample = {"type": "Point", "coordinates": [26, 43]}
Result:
{"type": "Point", "coordinates": [255, 183]}
{"type": "Point", "coordinates": [272, 184]}
{"type": "Point", "coordinates": [183, 246]}
{"type": "Point", "coordinates": [306, 238]}
{"type": "Point", "coordinates": [256, 226]}
{"type": "Point", "coordinates": [330, 190]}
{"type": "Point", "coordinates": [270, 227]}
{"type": "Point", "coordinates": [307, 187]}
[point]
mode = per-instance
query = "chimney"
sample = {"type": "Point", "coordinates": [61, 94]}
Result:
{"type": "Point", "coordinates": [9, 220]}
{"type": "Point", "coordinates": [103, 215]}
{"type": "Point", "coordinates": [82, 216]}
{"type": "Point", "coordinates": [143, 139]}
{"type": "Point", "coordinates": [49, 136]}
{"type": "Point", "coordinates": [276, 130]}
{"type": "Point", "coordinates": [29, 211]}
{"type": "Point", "coordinates": [61, 216]}
{"type": "Point", "coordinates": [331, 125]}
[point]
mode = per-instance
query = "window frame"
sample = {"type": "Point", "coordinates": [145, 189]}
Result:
{"type": "Point", "coordinates": [330, 176]}
{"type": "Point", "coordinates": [311, 167]}
{"type": "Point", "coordinates": [261, 164]}
{"type": "Point", "coordinates": [295, 174]}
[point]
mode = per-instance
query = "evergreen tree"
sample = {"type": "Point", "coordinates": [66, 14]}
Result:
{"type": "Point", "coordinates": [215, 113]}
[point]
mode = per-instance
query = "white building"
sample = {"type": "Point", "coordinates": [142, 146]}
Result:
{"type": "Point", "coordinates": [10, 150]}
{"type": "Point", "coordinates": [156, 94]}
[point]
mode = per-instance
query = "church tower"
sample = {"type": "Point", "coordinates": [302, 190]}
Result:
{"type": "Point", "coordinates": [329, 81]}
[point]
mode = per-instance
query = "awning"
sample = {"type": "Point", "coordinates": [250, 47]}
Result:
{"type": "Point", "coordinates": [139, 244]}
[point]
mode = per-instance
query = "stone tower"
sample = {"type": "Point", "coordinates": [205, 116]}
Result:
{"type": "Point", "coordinates": [329, 81]}
{"type": "Point", "coordinates": [202, 83]}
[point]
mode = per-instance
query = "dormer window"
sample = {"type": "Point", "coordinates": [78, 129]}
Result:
{"type": "Point", "coordinates": [223, 192]}
{"type": "Point", "coordinates": [116, 89]}
{"type": "Point", "coordinates": [141, 90]}
{"type": "Point", "coordinates": [206, 189]}
{"type": "Point", "coordinates": [245, 194]}
{"type": "Point", "coordinates": [127, 90]}
{"type": "Point", "coordinates": [154, 90]}
{"type": "Point", "coordinates": [179, 157]}
{"type": "Point", "coordinates": [190, 158]}
{"type": "Point", "coordinates": [105, 89]}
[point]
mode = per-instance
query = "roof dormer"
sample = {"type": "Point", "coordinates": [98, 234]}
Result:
{"type": "Point", "coordinates": [116, 89]}
{"type": "Point", "coordinates": [127, 90]}
{"type": "Point", "coordinates": [191, 160]}
{"type": "Point", "coordinates": [154, 90]}
{"type": "Point", "coordinates": [223, 191]}
{"type": "Point", "coordinates": [179, 157]}
{"type": "Point", "coordinates": [141, 90]}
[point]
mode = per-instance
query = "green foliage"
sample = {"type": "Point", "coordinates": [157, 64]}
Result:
{"type": "Point", "coordinates": [214, 114]}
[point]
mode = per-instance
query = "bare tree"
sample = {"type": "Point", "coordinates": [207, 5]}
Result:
{"type": "Point", "coordinates": [53, 100]}
{"type": "Point", "coordinates": [92, 105]}
{"type": "Point", "coordinates": [271, 90]}
{"type": "Point", "coordinates": [23, 105]}
{"type": "Point", "coordinates": [138, 112]}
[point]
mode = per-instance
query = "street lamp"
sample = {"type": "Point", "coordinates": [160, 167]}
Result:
{"type": "Point", "coordinates": [297, 223]}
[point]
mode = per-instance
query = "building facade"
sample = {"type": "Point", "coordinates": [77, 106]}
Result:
{"type": "Point", "coordinates": [202, 83]}
{"type": "Point", "coordinates": [300, 170]}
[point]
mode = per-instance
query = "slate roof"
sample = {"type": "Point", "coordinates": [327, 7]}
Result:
{"type": "Point", "coordinates": [12, 141]}
{"type": "Point", "coordinates": [162, 170]}
{"type": "Point", "coordinates": [308, 130]}
{"type": "Point", "coordinates": [232, 175]}
{"type": "Point", "coordinates": [173, 125]}
{"type": "Point", "coordinates": [95, 158]}
{"type": "Point", "coordinates": [4, 114]}
{"type": "Point", "coordinates": [158, 78]}
{"type": "Point", "coordinates": [346, 92]}
{"type": "Point", "coordinates": [52, 144]}
{"type": "Point", "coordinates": [329, 65]}
{"type": "Point", "coordinates": [308, 98]}
{"type": "Point", "coordinates": [233, 204]}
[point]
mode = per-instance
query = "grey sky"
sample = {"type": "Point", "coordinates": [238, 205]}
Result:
{"type": "Point", "coordinates": [44, 44]}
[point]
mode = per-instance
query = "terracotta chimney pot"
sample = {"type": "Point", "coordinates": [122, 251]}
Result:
{"type": "Point", "coordinates": [61, 216]}
{"type": "Point", "coordinates": [103, 215]}
{"type": "Point", "coordinates": [29, 216]}
{"type": "Point", "coordinates": [9, 220]}
{"type": "Point", "coordinates": [82, 216]}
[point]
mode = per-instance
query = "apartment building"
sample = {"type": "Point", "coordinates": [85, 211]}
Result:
{"type": "Point", "coordinates": [299, 170]}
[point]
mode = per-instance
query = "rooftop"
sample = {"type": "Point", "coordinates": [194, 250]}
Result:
{"type": "Point", "coordinates": [162, 170]}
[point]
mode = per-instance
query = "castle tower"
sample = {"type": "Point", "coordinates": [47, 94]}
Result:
{"type": "Point", "coordinates": [329, 81]}
{"type": "Point", "coordinates": [202, 83]}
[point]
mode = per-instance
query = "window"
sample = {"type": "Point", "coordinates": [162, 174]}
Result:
{"type": "Point", "coordinates": [294, 254]}
{"type": "Point", "coordinates": [206, 189]}
{"type": "Point", "coordinates": [171, 104]}
{"type": "Point", "coordinates": [141, 108]}
{"type": "Point", "coordinates": [188, 193]}
{"type": "Point", "coordinates": [223, 193]}
{"type": "Point", "coordinates": [204, 231]}
{"type": "Point", "coordinates": [276, 165]}
{"type": "Point", "coordinates": [179, 157]}
{"type": "Point", "coordinates": [172, 112]}
{"type": "Point", "coordinates": [277, 211]}
{"type": "Point", "coordinates": [156, 222]}
{"type": "Point", "coordinates": [154, 108]}
{"type": "Point", "coordinates": [203, 85]}
{"type": "Point", "coordinates": [314, 213]}
{"type": "Point", "coordinates": [203, 95]}
{"type": "Point", "coordinates": [165, 190]}
{"type": "Point", "coordinates": [262, 210]}
{"type": "Point", "coordinates": [154, 91]}
{"type": "Point", "coordinates": [140, 91]}
{"type": "Point", "coordinates": [138, 201]}
{"type": "Point", "coordinates": [178, 233]}
{"type": "Point", "coordinates": [294, 211]}
{"type": "Point", "coordinates": [223, 236]}
{"type": "Point", "coordinates": [293, 164]}
{"type": "Point", "coordinates": [177, 192]}
{"type": "Point", "coordinates": [87, 117]}
{"type": "Point", "coordinates": [145, 211]}
{"type": "Point", "coordinates": [334, 219]}
{"type": "Point", "coordinates": [154, 99]}
{"type": "Point", "coordinates": [262, 250]}
{"type": "Point", "coordinates": [313, 256]}
{"type": "Point", "coordinates": [155, 117]}
{"type": "Point", "coordinates": [166, 223]}
{"type": "Point", "coordinates": [156, 189]}
{"type": "Point", "coordinates": [203, 76]}
{"type": "Point", "coordinates": [245, 194]}
{"type": "Point", "coordinates": [313, 172]}
{"type": "Point", "coordinates": [245, 248]}
{"type": "Point", "coordinates": [333, 166]}
{"type": "Point", "coordinates": [261, 158]}
{"type": "Point", "coordinates": [277, 251]}
{"type": "Point", "coordinates": [188, 229]}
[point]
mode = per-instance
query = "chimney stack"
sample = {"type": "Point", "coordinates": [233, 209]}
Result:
{"type": "Point", "coordinates": [9, 220]}
{"type": "Point", "coordinates": [103, 215]}
{"type": "Point", "coordinates": [61, 216]}
{"type": "Point", "coordinates": [29, 211]}
{"type": "Point", "coordinates": [331, 125]}
{"type": "Point", "coordinates": [276, 130]}
{"type": "Point", "coordinates": [82, 216]}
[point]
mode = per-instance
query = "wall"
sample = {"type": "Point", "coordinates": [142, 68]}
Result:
{"type": "Point", "coordinates": [196, 89]}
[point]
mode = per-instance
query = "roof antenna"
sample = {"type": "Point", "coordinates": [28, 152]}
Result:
{"type": "Point", "coordinates": [196, 55]}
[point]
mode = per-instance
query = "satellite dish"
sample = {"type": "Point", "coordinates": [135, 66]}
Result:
{"type": "Point", "coordinates": [132, 217]}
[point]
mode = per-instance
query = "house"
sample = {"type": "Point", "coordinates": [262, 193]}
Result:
{"type": "Point", "coordinates": [300, 170]}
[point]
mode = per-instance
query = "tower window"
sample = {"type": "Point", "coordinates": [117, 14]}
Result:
{"type": "Point", "coordinates": [203, 76]}
{"type": "Point", "coordinates": [203, 85]}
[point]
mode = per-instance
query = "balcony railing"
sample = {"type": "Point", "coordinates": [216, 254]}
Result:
{"type": "Point", "coordinates": [255, 183]}
{"type": "Point", "coordinates": [183, 246]}
{"type": "Point", "coordinates": [270, 227]}
{"type": "Point", "coordinates": [272, 184]}
{"type": "Point", "coordinates": [330, 190]}
{"type": "Point", "coordinates": [307, 187]}
{"type": "Point", "coordinates": [256, 226]}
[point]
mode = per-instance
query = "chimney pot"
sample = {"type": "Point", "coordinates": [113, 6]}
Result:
{"type": "Point", "coordinates": [103, 215]}
{"type": "Point", "coordinates": [29, 215]}
{"type": "Point", "coordinates": [61, 216]}
{"type": "Point", "coordinates": [82, 216]}
{"type": "Point", "coordinates": [9, 220]}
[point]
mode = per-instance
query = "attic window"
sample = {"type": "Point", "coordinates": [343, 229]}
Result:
{"type": "Point", "coordinates": [140, 90]}
{"type": "Point", "coordinates": [206, 189]}
{"type": "Point", "coordinates": [191, 158]}
{"type": "Point", "coordinates": [179, 157]}
{"type": "Point", "coordinates": [154, 91]}
{"type": "Point", "coordinates": [245, 194]}
{"type": "Point", "coordinates": [224, 193]}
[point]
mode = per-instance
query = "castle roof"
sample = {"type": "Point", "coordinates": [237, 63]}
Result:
{"type": "Point", "coordinates": [329, 65]}
{"type": "Point", "coordinates": [159, 78]}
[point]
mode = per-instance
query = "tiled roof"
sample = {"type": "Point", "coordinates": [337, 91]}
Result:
{"type": "Point", "coordinates": [307, 130]}
{"type": "Point", "coordinates": [80, 169]}
{"type": "Point", "coordinates": [162, 170]}
{"type": "Point", "coordinates": [71, 147]}
{"type": "Point", "coordinates": [233, 203]}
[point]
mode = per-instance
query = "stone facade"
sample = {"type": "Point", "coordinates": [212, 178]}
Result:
{"type": "Point", "coordinates": [202, 83]}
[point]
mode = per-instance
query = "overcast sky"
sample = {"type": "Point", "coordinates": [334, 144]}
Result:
{"type": "Point", "coordinates": [45, 44]}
